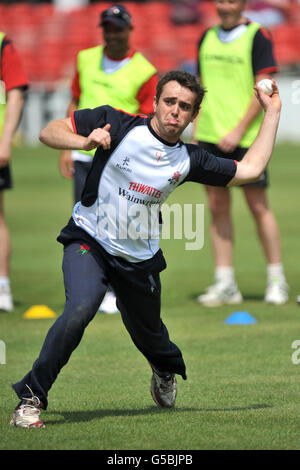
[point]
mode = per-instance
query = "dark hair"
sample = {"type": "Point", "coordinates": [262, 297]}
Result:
{"type": "Point", "coordinates": [184, 79]}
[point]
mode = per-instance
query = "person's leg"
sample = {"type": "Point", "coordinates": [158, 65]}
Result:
{"type": "Point", "coordinates": [6, 302]}
{"type": "Point", "coordinates": [267, 228]}
{"type": "Point", "coordinates": [4, 240]}
{"type": "Point", "coordinates": [85, 285]}
{"type": "Point", "coordinates": [139, 300]}
{"type": "Point", "coordinates": [221, 229]}
{"type": "Point", "coordinates": [269, 236]}
{"type": "Point", "coordinates": [224, 290]}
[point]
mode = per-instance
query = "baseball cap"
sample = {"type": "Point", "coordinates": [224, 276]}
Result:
{"type": "Point", "coordinates": [116, 14]}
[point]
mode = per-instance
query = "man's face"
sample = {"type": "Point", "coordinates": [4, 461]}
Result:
{"type": "Point", "coordinates": [173, 111]}
{"type": "Point", "coordinates": [229, 11]}
{"type": "Point", "coordinates": [116, 37]}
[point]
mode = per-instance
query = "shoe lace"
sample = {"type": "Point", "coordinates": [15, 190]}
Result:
{"type": "Point", "coordinates": [166, 385]}
{"type": "Point", "coordinates": [33, 401]}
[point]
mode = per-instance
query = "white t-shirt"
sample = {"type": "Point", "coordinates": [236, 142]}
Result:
{"type": "Point", "coordinates": [128, 183]}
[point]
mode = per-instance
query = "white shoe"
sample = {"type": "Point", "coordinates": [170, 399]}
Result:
{"type": "Point", "coordinates": [27, 414]}
{"type": "Point", "coordinates": [109, 303]}
{"type": "Point", "coordinates": [163, 390]}
{"type": "Point", "coordinates": [6, 302]}
{"type": "Point", "coordinates": [221, 293]}
{"type": "Point", "coordinates": [277, 292]}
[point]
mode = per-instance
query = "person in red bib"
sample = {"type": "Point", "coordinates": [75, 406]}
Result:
{"type": "Point", "coordinates": [13, 84]}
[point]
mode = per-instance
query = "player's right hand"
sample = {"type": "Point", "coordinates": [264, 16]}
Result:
{"type": "Point", "coordinates": [66, 164]}
{"type": "Point", "coordinates": [98, 137]}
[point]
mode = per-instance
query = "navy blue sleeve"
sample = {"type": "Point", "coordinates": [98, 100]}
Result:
{"type": "Point", "coordinates": [208, 169]}
{"type": "Point", "coordinates": [86, 120]}
{"type": "Point", "coordinates": [263, 60]}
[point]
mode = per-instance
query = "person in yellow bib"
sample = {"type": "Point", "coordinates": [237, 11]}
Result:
{"type": "Point", "coordinates": [13, 83]}
{"type": "Point", "coordinates": [110, 74]}
{"type": "Point", "coordinates": [232, 57]}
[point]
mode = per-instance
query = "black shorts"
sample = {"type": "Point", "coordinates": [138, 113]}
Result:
{"type": "Point", "coordinates": [5, 178]}
{"type": "Point", "coordinates": [238, 155]}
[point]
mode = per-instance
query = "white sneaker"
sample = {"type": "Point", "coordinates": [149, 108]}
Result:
{"type": "Point", "coordinates": [27, 414]}
{"type": "Point", "coordinates": [277, 292]}
{"type": "Point", "coordinates": [6, 302]}
{"type": "Point", "coordinates": [220, 293]}
{"type": "Point", "coordinates": [163, 390]}
{"type": "Point", "coordinates": [109, 303]}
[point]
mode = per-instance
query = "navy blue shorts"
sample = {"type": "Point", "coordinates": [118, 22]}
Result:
{"type": "Point", "coordinates": [238, 154]}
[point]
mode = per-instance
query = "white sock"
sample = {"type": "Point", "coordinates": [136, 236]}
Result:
{"type": "Point", "coordinates": [4, 281]}
{"type": "Point", "coordinates": [275, 272]}
{"type": "Point", "coordinates": [224, 274]}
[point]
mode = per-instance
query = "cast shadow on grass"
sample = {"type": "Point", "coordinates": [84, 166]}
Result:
{"type": "Point", "coordinates": [246, 297]}
{"type": "Point", "coordinates": [89, 415]}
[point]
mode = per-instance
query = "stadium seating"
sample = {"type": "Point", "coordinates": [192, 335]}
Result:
{"type": "Point", "coordinates": [49, 39]}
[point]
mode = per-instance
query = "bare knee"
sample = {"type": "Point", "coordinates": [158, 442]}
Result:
{"type": "Point", "coordinates": [258, 210]}
{"type": "Point", "coordinates": [219, 201]}
{"type": "Point", "coordinates": [257, 202]}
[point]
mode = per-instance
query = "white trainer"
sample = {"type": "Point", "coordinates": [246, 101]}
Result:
{"type": "Point", "coordinates": [109, 303]}
{"type": "Point", "coordinates": [163, 390]}
{"type": "Point", "coordinates": [221, 293]}
{"type": "Point", "coordinates": [6, 302]}
{"type": "Point", "coordinates": [277, 292]}
{"type": "Point", "coordinates": [27, 414]}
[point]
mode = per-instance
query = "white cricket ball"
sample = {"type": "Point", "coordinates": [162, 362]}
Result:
{"type": "Point", "coordinates": [266, 85]}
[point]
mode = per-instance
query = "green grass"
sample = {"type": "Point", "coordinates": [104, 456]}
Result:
{"type": "Point", "coordinates": [242, 390]}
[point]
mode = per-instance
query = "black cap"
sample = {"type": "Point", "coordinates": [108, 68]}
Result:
{"type": "Point", "coordinates": [116, 14]}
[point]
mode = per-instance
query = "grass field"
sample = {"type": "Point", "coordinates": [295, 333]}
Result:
{"type": "Point", "coordinates": [242, 390]}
